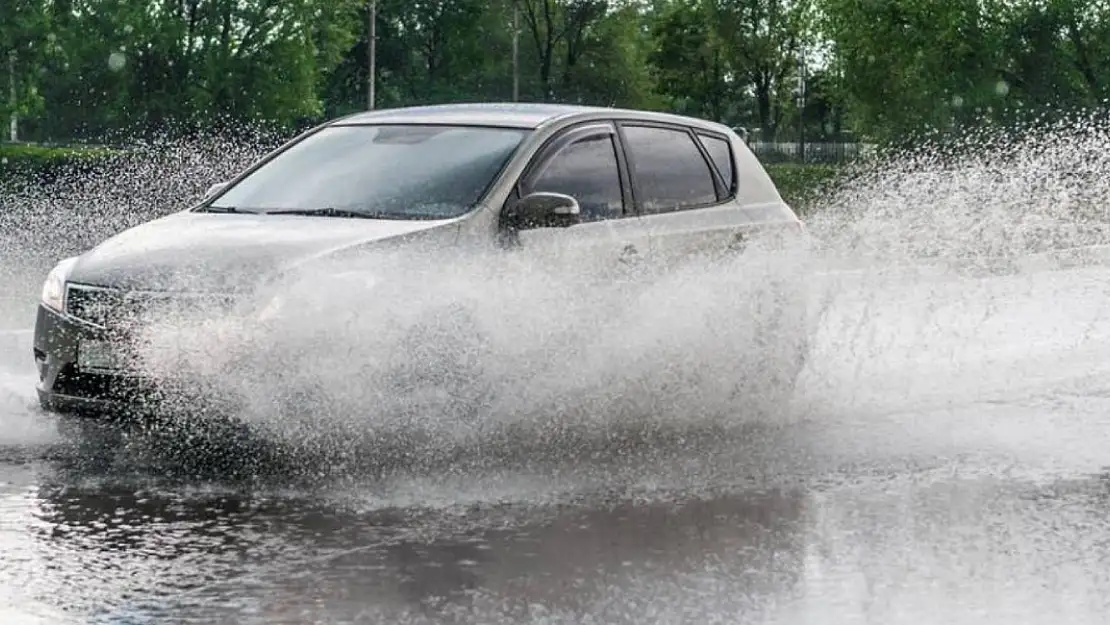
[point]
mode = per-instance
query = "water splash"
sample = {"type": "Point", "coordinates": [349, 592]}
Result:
{"type": "Point", "coordinates": [987, 195]}
{"type": "Point", "coordinates": [947, 290]}
{"type": "Point", "coordinates": [63, 209]}
{"type": "Point", "coordinates": [497, 357]}
{"type": "Point", "coordinates": [907, 290]}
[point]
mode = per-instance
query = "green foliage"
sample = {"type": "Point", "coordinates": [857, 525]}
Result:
{"type": "Point", "coordinates": [734, 61]}
{"type": "Point", "coordinates": [884, 70]}
{"type": "Point", "coordinates": [688, 62]}
{"type": "Point", "coordinates": [24, 45]}
{"type": "Point", "coordinates": [21, 157]}
{"type": "Point", "coordinates": [150, 65]}
{"type": "Point", "coordinates": [907, 67]}
{"type": "Point", "coordinates": [801, 185]}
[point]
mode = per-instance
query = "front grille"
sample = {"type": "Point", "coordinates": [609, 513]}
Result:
{"type": "Point", "coordinates": [117, 308]}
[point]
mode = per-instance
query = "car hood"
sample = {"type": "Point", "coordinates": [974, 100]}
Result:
{"type": "Point", "coordinates": [219, 252]}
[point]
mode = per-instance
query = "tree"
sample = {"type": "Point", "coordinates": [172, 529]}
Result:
{"type": "Point", "coordinates": [763, 40]}
{"type": "Point", "coordinates": [1055, 53]}
{"type": "Point", "coordinates": [689, 61]}
{"type": "Point", "coordinates": [161, 64]}
{"type": "Point", "coordinates": [24, 42]}
{"type": "Point", "coordinates": [557, 28]}
{"type": "Point", "coordinates": [606, 60]}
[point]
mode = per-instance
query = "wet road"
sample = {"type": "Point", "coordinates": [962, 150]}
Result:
{"type": "Point", "coordinates": [942, 463]}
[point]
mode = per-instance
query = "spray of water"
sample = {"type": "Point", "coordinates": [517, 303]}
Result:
{"type": "Point", "coordinates": [945, 289]}
{"type": "Point", "coordinates": [49, 214]}
{"type": "Point", "coordinates": [988, 195]}
{"type": "Point", "coordinates": [446, 358]}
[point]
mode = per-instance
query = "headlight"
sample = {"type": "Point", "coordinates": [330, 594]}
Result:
{"type": "Point", "coordinates": [54, 289]}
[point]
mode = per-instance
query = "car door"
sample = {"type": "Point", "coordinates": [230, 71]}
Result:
{"type": "Point", "coordinates": [685, 188]}
{"type": "Point", "coordinates": [586, 162]}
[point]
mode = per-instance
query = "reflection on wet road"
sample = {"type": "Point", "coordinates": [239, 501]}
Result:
{"type": "Point", "coordinates": [908, 547]}
{"type": "Point", "coordinates": [224, 560]}
{"type": "Point", "coordinates": [948, 478]}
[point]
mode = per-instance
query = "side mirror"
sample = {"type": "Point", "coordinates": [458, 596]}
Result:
{"type": "Point", "coordinates": [214, 189]}
{"type": "Point", "coordinates": [544, 210]}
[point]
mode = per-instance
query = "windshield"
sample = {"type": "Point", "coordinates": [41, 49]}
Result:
{"type": "Point", "coordinates": [394, 172]}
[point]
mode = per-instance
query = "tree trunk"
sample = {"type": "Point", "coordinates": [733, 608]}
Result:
{"type": "Point", "coordinates": [13, 100]}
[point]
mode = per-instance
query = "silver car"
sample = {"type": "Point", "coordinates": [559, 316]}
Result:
{"type": "Point", "coordinates": [627, 184]}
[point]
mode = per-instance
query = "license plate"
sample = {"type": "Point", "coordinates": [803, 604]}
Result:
{"type": "Point", "coordinates": [100, 356]}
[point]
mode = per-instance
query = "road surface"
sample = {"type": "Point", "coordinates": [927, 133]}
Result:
{"type": "Point", "coordinates": [942, 462]}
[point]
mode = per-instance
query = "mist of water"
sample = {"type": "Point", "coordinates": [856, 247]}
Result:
{"type": "Point", "coordinates": [48, 215]}
{"type": "Point", "coordinates": [491, 356]}
{"type": "Point", "coordinates": [988, 195]}
{"type": "Point", "coordinates": [541, 361]}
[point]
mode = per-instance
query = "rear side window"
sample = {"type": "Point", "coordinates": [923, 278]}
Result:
{"type": "Point", "coordinates": [586, 170]}
{"type": "Point", "coordinates": [721, 153]}
{"type": "Point", "coordinates": [671, 173]}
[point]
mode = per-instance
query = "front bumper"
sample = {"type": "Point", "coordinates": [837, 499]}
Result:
{"type": "Point", "coordinates": [62, 386]}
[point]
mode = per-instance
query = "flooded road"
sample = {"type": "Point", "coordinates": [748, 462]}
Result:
{"type": "Point", "coordinates": [942, 462]}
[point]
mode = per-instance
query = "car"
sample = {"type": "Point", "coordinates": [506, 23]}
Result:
{"type": "Point", "coordinates": [505, 176]}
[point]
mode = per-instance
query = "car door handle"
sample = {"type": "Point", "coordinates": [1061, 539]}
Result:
{"type": "Point", "coordinates": [738, 242]}
{"type": "Point", "coordinates": [629, 254]}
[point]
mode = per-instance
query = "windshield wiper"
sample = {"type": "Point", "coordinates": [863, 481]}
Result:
{"type": "Point", "coordinates": [341, 212]}
{"type": "Point", "coordinates": [319, 212]}
{"type": "Point", "coordinates": [219, 209]}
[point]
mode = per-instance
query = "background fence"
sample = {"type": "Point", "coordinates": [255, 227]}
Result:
{"type": "Point", "coordinates": [818, 152]}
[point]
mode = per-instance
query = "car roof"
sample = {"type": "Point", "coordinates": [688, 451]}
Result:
{"type": "Point", "coordinates": [527, 115]}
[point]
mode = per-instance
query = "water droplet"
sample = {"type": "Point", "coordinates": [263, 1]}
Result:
{"type": "Point", "coordinates": [957, 101]}
{"type": "Point", "coordinates": [1002, 88]}
{"type": "Point", "coordinates": [116, 61]}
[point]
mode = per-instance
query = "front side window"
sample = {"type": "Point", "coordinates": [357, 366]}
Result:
{"type": "Point", "coordinates": [670, 171]}
{"type": "Point", "coordinates": [586, 170]}
{"type": "Point", "coordinates": [386, 171]}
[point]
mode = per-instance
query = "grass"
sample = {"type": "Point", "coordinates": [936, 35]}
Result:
{"type": "Point", "coordinates": [801, 184]}
{"type": "Point", "coordinates": [31, 156]}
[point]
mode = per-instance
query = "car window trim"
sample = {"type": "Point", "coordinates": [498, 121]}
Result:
{"type": "Point", "coordinates": [287, 145]}
{"type": "Point", "coordinates": [730, 190]}
{"type": "Point", "coordinates": [722, 195]}
{"type": "Point", "coordinates": [564, 139]}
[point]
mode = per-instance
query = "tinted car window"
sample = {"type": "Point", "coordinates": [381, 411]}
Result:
{"type": "Point", "coordinates": [721, 153]}
{"type": "Point", "coordinates": [671, 172]}
{"type": "Point", "coordinates": [399, 172]}
{"type": "Point", "coordinates": [588, 171]}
